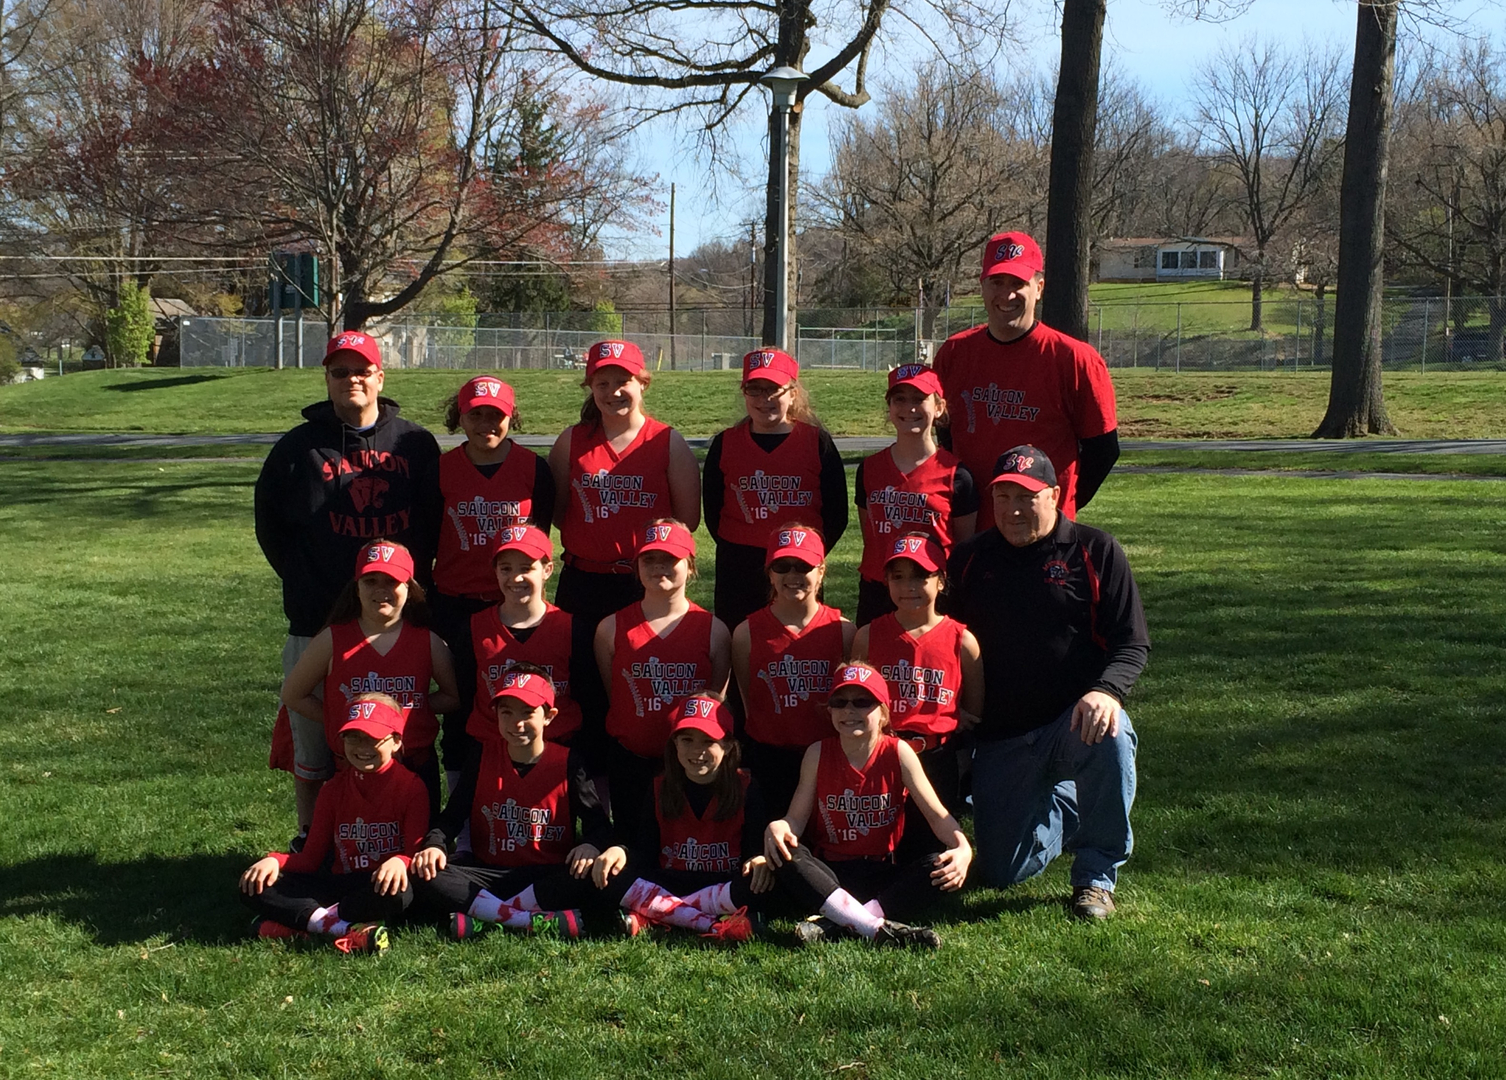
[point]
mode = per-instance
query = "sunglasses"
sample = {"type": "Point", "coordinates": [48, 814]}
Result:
{"type": "Point", "coordinates": [749, 390]}
{"type": "Point", "coordinates": [861, 703]}
{"type": "Point", "coordinates": [347, 373]}
{"type": "Point", "coordinates": [790, 566]}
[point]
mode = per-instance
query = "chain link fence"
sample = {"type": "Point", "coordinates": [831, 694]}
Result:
{"type": "Point", "coordinates": [1418, 334]}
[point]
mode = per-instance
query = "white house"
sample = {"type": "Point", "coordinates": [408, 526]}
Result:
{"type": "Point", "coordinates": [1149, 258]}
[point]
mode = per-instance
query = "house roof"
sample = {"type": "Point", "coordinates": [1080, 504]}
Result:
{"type": "Point", "coordinates": [169, 308]}
{"type": "Point", "coordinates": [1170, 241]}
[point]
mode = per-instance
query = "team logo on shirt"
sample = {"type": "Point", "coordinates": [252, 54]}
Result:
{"type": "Point", "coordinates": [914, 684]}
{"type": "Point", "coordinates": [999, 404]}
{"type": "Point", "coordinates": [693, 855]}
{"type": "Point", "coordinates": [368, 491]}
{"type": "Point", "coordinates": [1057, 572]}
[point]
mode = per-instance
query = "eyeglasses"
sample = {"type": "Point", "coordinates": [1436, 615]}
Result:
{"type": "Point", "coordinates": [753, 391]}
{"type": "Point", "coordinates": [863, 704]}
{"type": "Point", "coordinates": [790, 566]}
{"type": "Point", "coordinates": [343, 373]}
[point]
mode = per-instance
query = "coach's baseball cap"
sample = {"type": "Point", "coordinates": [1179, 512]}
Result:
{"type": "Point", "coordinates": [485, 390]}
{"type": "Point", "coordinates": [1027, 466]}
{"type": "Point", "coordinates": [861, 675]}
{"type": "Point", "coordinates": [796, 542]}
{"type": "Point", "coordinates": [529, 539]}
{"type": "Point", "coordinates": [353, 341]}
{"type": "Point", "coordinates": [375, 718]}
{"type": "Point", "coordinates": [612, 353]}
{"type": "Point", "coordinates": [923, 551]}
{"type": "Point", "coordinates": [1012, 253]}
{"type": "Point", "coordinates": [920, 376]}
{"type": "Point", "coordinates": [531, 688]}
{"type": "Point", "coordinates": [774, 365]}
{"type": "Point", "coordinates": [385, 557]}
{"type": "Point", "coordinates": [705, 714]}
{"type": "Point", "coordinates": [668, 536]}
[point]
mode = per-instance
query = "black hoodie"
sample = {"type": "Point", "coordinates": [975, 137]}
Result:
{"type": "Point", "coordinates": [325, 490]}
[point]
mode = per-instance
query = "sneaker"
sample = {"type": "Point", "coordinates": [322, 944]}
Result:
{"type": "Point", "coordinates": [815, 929]}
{"type": "Point", "coordinates": [464, 926]}
{"type": "Point", "coordinates": [363, 938]}
{"type": "Point", "coordinates": [1091, 902]}
{"type": "Point", "coordinates": [267, 928]}
{"type": "Point", "coordinates": [633, 923]}
{"type": "Point", "coordinates": [898, 933]}
{"type": "Point", "coordinates": [295, 845]}
{"type": "Point", "coordinates": [732, 929]}
{"type": "Point", "coordinates": [558, 924]}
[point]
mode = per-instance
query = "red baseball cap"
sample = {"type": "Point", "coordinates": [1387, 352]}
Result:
{"type": "Point", "coordinates": [774, 365]}
{"type": "Point", "coordinates": [375, 718]}
{"type": "Point", "coordinates": [1012, 253]}
{"type": "Point", "coordinates": [924, 551]}
{"type": "Point", "coordinates": [1027, 466]}
{"type": "Point", "coordinates": [485, 390]}
{"type": "Point", "coordinates": [613, 353]}
{"type": "Point", "coordinates": [796, 542]}
{"type": "Point", "coordinates": [670, 536]}
{"type": "Point", "coordinates": [385, 557]}
{"type": "Point", "coordinates": [919, 376]}
{"type": "Point", "coordinates": [529, 539]}
{"type": "Point", "coordinates": [705, 714]}
{"type": "Point", "coordinates": [354, 341]}
{"type": "Point", "coordinates": [861, 675]}
{"type": "Point", "coordinates": [529, 687]}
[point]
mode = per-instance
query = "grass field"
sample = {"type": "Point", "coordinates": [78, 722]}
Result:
{"type": "Point", "coordinates": [1318, 832]}
{"type": "Point", "coordinates": [1151, 404]}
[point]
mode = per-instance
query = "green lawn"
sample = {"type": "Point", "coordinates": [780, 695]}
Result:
{"type": "Point", "coordinates": [1319, 828]}
{"type": "Point", "coordinates": [1151, 404]}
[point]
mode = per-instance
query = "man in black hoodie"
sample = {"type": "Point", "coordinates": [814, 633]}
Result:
{"type": "Point", "coordinates": [344, 477]}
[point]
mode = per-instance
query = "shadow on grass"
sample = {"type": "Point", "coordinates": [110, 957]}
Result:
{"type": "Point", "coordinates": [159, 384]}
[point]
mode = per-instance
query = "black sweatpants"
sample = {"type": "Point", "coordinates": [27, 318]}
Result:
{"type": "Point", "coordinates": [450, 618]}
{"type": "Point", "coordinates": [742, 584]}
{"type": "Point", "coordinates": [293, 897]}
{"type": "Point", "coordinates": [456, 887]}
{"type": "Point", "coordinates": [941, 769]}
{"type": "Point", "coordinates": [903, 890]}
{"type": "Point", "coordinates": [777, 770]}
{"type": "Point", "coordinates": [873, 601]}
{"type": "Point", "coordinates": [592, 596]}
{"type": "Point", "coordinates": [630, 786]}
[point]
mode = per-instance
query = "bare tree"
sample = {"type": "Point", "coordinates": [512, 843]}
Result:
{"type": "Point", "coordinates": [1269, 119]}
{"type": "Point", "coordinates": [1131, 140]}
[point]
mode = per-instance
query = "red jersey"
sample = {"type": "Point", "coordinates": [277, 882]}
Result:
{"type": "Point", "coordinates": [522, 820]}
{"type": "Point", "coordinates": [364, 819]}
{"type": "Point", "coordinates": [924, 674]}
{"type": "Point", "coordinates": [614, 496]}
{"type": "Point", "coordinates": [1045, 389]}
{"type": "Point", "coordinates": [404, 673]}
{"type": "Point", "coordinates": [859, 813]}
{"type": "Point", "coordinates": [768, 488]}
{"type": "Point", "coordinates": [476, 508]}
{"type": "Point", "coordinates": [650, 673]}
{"type": "Point", "coordinates": [700, 844]}
{"type": "Point", "coordinates": [897, 502]}
{"type": "Point", "coordinates": [548, 646]}
{"type": "Point", "coordinates": [789, 676]}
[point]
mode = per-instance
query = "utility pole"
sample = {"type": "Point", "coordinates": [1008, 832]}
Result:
{"type": "Point", "coordinates": [671, 277]}
{"type": "Point", "coordinates": [752, 276]}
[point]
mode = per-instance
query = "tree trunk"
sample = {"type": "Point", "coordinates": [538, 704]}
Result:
{"type": "Point", "coordinates": [1257, 296]}
{"type": "Point", "coordinates": [1070, 192]}
{"type": "Point", "coordinates": [1355, 402]}
{"type": "Point", "coordinates": [771, 229]}
{"type": "Point", "coordinates": [1320, 323]}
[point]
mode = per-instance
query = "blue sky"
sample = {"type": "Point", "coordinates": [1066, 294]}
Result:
{"type": "Point", "coordinates": [1141, 39]}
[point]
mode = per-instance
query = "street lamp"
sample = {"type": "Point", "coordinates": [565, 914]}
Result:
{"type": "Point", "coordinates": [783, 82]}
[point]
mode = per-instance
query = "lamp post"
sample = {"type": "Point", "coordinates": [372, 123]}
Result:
{"type": "Point", "coordinates": [783, 82]}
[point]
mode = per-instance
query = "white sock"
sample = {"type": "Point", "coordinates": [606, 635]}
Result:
{"type": "Point", "coordinates": [326, 920]}
{"type": "Point", "coordinates": [713, 899]}
{"type": "Point", "coordinates": [874, 908]}
{"type": "Point", "coordinates": [842, 908]}
{"type": "Point", "coordinates": [661, 906]}
{"type": "Point", "coordinates": [526, 900]}
{"type": "Point", "coordinates": [488, 908]}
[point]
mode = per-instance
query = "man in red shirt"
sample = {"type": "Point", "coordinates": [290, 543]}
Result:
{"type": "Point", "coordinates": [1014, 380]}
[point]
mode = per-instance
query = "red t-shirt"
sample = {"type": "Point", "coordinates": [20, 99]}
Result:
{"type": "Point", "coordinates": [766, 488]}
{"type": "Point", "coordinates": [476, 508]}
{"type": "Point", "coordinates": [1045, 389]}
{"type": "Point", "coordinates": [403, 673]}
{"type": "Point", "coordinates": [522, 820]}
{"type": "Point", "coordinates": [364, 819]}
{"type": "Point", "coordinates": [859, 813]}
{"type": "Point", "coordinates": [924, 674]}
{"type": "Point", "coordinates": [497, 649]}
{"type": "Point", "coordinates": [897, 502]}
{"type": "Point", "coordinates": [613, 496]}
{"type": "Point", "coordinates": [790, 676]}
{"type": "Point", "coordinates": [700, 844]}
{"type": "Point", "coordinates": [650, 674]}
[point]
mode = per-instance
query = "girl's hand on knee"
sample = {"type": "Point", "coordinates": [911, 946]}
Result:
{"type": "Point", "coordinates": [259, 875]}
{"type": "Point", "coordinates": [429, 862]}
{"type": "Point", "coordinates": [581, 860]}
{"type": "Point", "coordinates": [609, 863]}
{"type": "Point", "coordinates": [951, 868]}
{"type": "Point", "coordinates": [779, 842]}
{"type": "Point", "coordinates": [391, 878]}
{"type": "Point", "coordinates": [759, 873]}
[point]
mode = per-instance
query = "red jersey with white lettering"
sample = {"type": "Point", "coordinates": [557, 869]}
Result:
{"type": "Point", "coordinates": [768, 488]}
{"type": "Point", "coordinates": [650, 674]}
{"type": "Point", "coordinates": [897, 502]}
{"type": "Point", "coordinates": [403, 672]}
{"type": "Point", "coordinates": [859, 813]}
{"type": "Point", "coordinates": [1045, 389]}
{"type": "Point", "coordinates": [362, 820]}
{"type": "Point", "coordinates": [476, 508]}
{"type": "Point", "coordinates": [700, 844]}
{"type": "Point", "coordinates": [924, 674]}
{"type": "Point", "coordinates": [522, 820]}
{"type": "Point", "coordinates": [614, 496]}
{"type": "Point", "coordinates": [548, 646]}
{"type": "Point", "coordinates": [789, 676]}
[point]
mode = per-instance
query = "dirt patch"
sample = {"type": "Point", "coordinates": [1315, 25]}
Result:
{"type": "Point", "coordinates": [1205, 393]}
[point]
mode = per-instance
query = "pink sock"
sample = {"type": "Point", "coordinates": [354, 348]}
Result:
{"type": "Point", "coordinates": [326, 920]}
{"type": "Point", "coordinates": [526, 900]}
{"type": "Point", "coordinates": [842, 907]}
{"type": "Point", "coordinates": [488, 908]}
{"type": "Point", "coordinates": [874, 908]}
{"type": "Point", "coordinates": [713, 899]}
{"type": "Point", "coordinates": [654, 903]}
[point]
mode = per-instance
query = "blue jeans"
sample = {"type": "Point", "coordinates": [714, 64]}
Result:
{"type": "Point", "coordinates": [1039, 793]}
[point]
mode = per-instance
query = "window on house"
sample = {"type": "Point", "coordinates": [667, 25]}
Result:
{"type": "Point", "coordinates": [1207, 260]}
{"type": "Point", "coordinates": [1189, 260]}
{"type": "Point", "coordinates": [1170, 260]}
